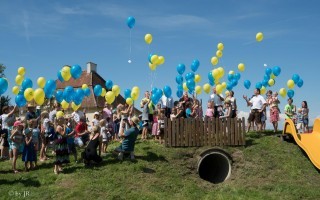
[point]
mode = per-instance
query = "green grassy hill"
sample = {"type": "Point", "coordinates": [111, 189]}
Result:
{"type": "Point", "coordinates": [265, 169]}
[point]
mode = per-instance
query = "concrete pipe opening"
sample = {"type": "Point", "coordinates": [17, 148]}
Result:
{"type": "Point", "coordinates": [214, 166]}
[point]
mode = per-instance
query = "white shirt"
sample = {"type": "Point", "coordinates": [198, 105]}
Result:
{"type": "Point", "coordinates": [52, 115]}
{"type": "Point", "coordinates": [257, 102]}
{"type": "Point", "coordinates": [216, 99]}
{"type": "Point", "coordinates": [5, 119]}
{"type": "Point", "coordinates": [166, 102]}
{"type": "Point", "coordinates": [77, 116]}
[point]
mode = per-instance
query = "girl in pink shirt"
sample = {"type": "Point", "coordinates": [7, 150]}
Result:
{"type": "Point", "coordinates": [210, 110]}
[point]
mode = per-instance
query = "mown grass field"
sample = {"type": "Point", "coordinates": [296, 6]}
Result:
{"type": "Point", "coordinates": [265, 169]}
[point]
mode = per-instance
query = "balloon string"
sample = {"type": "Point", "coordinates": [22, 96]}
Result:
{"type": "Point", "coordinates": [130, 46]}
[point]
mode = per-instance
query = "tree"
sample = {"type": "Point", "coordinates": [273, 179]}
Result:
{"type": "Point", "coordinates": [4, 100]}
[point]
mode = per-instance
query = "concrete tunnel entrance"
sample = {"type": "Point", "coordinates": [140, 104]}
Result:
{"type": "Point", "coordinates": [214, 166]}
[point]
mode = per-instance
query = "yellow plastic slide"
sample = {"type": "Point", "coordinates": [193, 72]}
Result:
{"type": "Point", "coordinates": [309, 142]}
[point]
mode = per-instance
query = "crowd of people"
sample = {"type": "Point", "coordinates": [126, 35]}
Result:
{"type": "Point", "coordinates": [41, 129]}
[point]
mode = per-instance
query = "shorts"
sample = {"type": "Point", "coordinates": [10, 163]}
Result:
{"type": "Point", "coordinates": [150, 116]}
{"type": "Point", "coordinates": [306, 122]}
{"type": "Point", "coordinates": [299, 126]}
{"type": "Point", "coordinates": [78, 142]}
{"type": "Point", "coordinates": [145, 123]}
{"type": "Point", "coordinates": [233, 114]}
{"type": "Point", "coordinates": [263, 117]}
{"type": "Point", "coordinates": [72, 148]}
{"type": "Point", "coordinates": [15, 145]}
{"type": "Point", "coordinates": [255, 115]}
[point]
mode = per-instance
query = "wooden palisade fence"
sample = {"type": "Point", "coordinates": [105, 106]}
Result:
{"type": "Point", "coordinates": [208, 132]}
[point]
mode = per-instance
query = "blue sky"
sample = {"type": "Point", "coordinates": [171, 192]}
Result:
{"type": "Point", "coordinates": [43, 36]}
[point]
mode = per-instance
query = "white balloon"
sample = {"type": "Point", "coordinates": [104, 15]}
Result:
{"type": "Point", "coordinates": [129, 61]}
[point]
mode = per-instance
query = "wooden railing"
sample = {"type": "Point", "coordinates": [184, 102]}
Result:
{"type": "Point", "coordinates": [208, 132]}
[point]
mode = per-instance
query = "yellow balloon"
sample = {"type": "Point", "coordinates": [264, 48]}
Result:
{"type": "Point", "coordinates": [214, 60]}
{"type": "Point", "coordinates": [259, 37]}
{"type": "Point", "coordinates": [198, 89]}
{"type": "Point", "coordinates": [65, 73]}
{"type": "Point", "coordinates": [224, 85]}
{"type": "Point", "coordinates": [206, 88]}
{"type": "Point", "coordinates": [219, 88]}
{"type": "Point", "coordinates": [134, 95]}
{"type": "Point", "coordinates": [197, 78]}
{"type": "Point", "coordinates": [185, 88]}
{"type": "Point", "coordinates": [84, 86]}
{"type": "Point", "coordinates": [231, 72]}
{"type": "Point", "coordinates": [221, 72]}
{"type": "Point", "coordinates": [129, 101]}
{"type": "Point", "coordinates": [152, 66]}
{"type": "Point", "coordinates": [116, 90]}
{"type": "Point", "coordinates": [103, 93]}
{"type": "Point", "coordinates": [160, 60]}
{"type": "Point", "coordinates": [136, 89]}
{"type": "Point", "coordinates": [110, 97]}
{"type": "Point", "coordinates": [15, 90]}
{"type": "Point", "coordinates": [283, 92]}
{"type": "Point", "coordinates": [290, 84]}
{"type": "Point", "coordinates": [64, 104]}
{"type": "Point", "coordinates": [271, 82]}
{"type": "Point", "coordinates": [148, 38]}
{"type": "Point", "coordinates": [216, 81]}
{"type": "Point", "coordinates": [219, 54]}
{"type": "Point", "coordinates": [220, 46]}
{"type": "Point", "coordinates": [28, 94]}
{"type": "Point", "coordinates": [59, 114]}
{"type": "Point", "coordinates": [154, 59]}
{"type": "Point", "coordinates": [75, 107]}
{"type": "Point", "coordinates": [263, 90]}
{"type": "Point", "coordinates": [39, 96]}
{"type": "Point", "coordinates": [272, 76]}
{"type": "Point", "coordinates": [241, 67]}
{"type": "Point", "coordinates": [41, 82]}
{"type": "Point", "coordinates": [21, 71]}
{"type": "Point", "coordinates": [19, 79]}
{"type": "Point", "coordinates": [216, 73]}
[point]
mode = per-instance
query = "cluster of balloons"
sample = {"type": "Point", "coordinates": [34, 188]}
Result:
{"type": "Point", "coordinates": [215, 59]}
{"type": "Point", "coordinates": [67, 72]}
{"type": "Point", "coordinates": [259, 37]}
{"type": "Point", "coordinates": [157, 94]}
{"type": "Point", "coordinates": [131, 95]}
{"type": "Point", "coordinates": [295, 80]}
{"type": "Point", "coordinates": [110, 95]}
{"type": "Point", "coordinates": [155, 61]}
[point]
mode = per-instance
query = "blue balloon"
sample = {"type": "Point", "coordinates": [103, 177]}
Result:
{"type": "Point", "coordinates": [87, 92]}
{"type": "Point", "coordinates": [20, 100]}
{"type": "Point", "coordinates": [51, 85]}
{"type": "Point", "coordinates": [195, 65]}
{"type": "Point", "coordinates": [179, 93]}
{"type": "Point", "coordinates": [154, 90]}
{"type": "Point", "coordinates": [154, 98]}
{"type": "Point", "coordinates": [290, 93]}
{"type": "Point", "coordinates": [127, 93]}
{"type": "Point", "coordinates": [3, 85]}
{"type": "Point", "coordinates": [180, 87]}
{"type": "Point", "coordinates": [97, 90]}
{"type": "Point", "coordinates": [159, 93]}
{"type": "Point", "coordinates": [229, 86]}
{"type": "Point", "coordinates": [265, 83]}
{"type": "Point", "coordinates": [59, 96]}
{"type": "Point", "coordinates": [79, 94]}
{"type": "Point", "coordinates": [131, 21]}
{"type": "Point", "coordinates": [268, 71]}
{"type": "Point", "coordinates": [266, 77]}
{"type": "Point", "coordinates": [21, 91]}
{"type": "Point", "coordinates": [211, 83]}
{"type": "Point", "coordinates": [234, 83]}
{"type": "Point", "coordinates": [300, 83]}
{"type": "Point", "coordinates": [295, 78]}
{"type": "Point", "coordinates": [210, 77]}
{"type": "Point", "coordinates": [191, 84]}
{"type": "Point", "coordinates": [230, 77]}
{"type": "Point", "coordinates": [76, 71]}
{"type": "Point", "coordinates": [247, 84]}
{"type": "Point", "coordinates": [26, 83]}
{"type": "Point", "coordinates": [68, 94]}
{"type": "Point", "coordinates": [276, 70]}
{"type": "Point", "coordinates": [191, 91]}
{"type": "Point", "coordinates": [60, 76]}
{"type": "Point", "coordinates": [179, 79]}
{"type": "Point", "coordinates": [149, 57]}
{"type": "Point", "coordinates": [181, 68]}
{"type": "Point", "coordinates": [190, 75]}
{"type": "Point", "coordinates": [237, 76]}
{"type": "Point", "coordinates": [259, 85]}
{"type": "Point", "coordinates": [167, 91]}
{"type": "Point", "coordinates": [109, 84]}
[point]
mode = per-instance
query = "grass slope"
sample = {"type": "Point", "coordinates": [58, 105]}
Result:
{"type": "Point", "coordinates": [265, 169]}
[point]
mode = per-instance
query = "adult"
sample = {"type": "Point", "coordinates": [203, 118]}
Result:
{"type": "Point", "coordinates": [78, 115]}
{"type": "Point", "coordinates": [129, 139]}
{"type": "Point", "coordinates": [233, 103]}
{"type": "Point", "coordinates": [90, 153]}
{"type": "Point", "coordinates": [167, 104]}
{"type": "Point", "coordinates": [273, 102]}
{"type": "Point", "coordinates": [8, 119]}
{"type": "Point", "coordinates": [53, 113]}
{"type": "Point", "coordinates": [184, 99]}
{"type": "Point", "coordinates": [107, 111]}
{"type": "Point", "coordinates": [258, 104]}
{"type": "Point", "coordinates": [217, 100]}
{"type": "Point", "coordinates": [31, 113]}
{"type": "Point", "coordinates": [145, 115]}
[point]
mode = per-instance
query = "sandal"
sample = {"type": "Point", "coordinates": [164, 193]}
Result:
{"type": "Point", "coordinates": [15, 171]}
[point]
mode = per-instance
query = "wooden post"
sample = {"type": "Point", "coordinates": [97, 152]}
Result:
{"type": "Point", "coordinates": [243, 131]}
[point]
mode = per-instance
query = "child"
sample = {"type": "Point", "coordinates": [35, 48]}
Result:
{"type": "Point", "coordinates": [161, 126]}
{"type": "Point", "coordinates": [35, 137]}
{"type": "Point", "coordinates": [299, 125]}
{"type": "Point", "coordinates": [96, 118]}
{"type": "Point", "coordinates": [17, 140]}
{"type": "Point", "coordinates": [290, 110]}
{"type": "Point", "coordinates": [274, 110]}
{"type": "Point", "coordinates": [105, 134]}
{"type": "Point", "coordinates": [29, 153]}
{"type": "Point", "coordinates": [173, 114]}
{"type": "Point", "coordinates": [210, 110]}
{"type": "Point", "coordinates": [155, 132]}
{"type": "Point", "coordinates": [61, 146]}
{"type": "Point", "coordinates": [110, 128]}
{"type": "Point", "coordinates": [228, 110]}
{"type": "Point", "coordinates": [45, 127]}
{"type": "Point", "coordinates": [70, 139]}
{"type": "Point", "coordinates": [305, 116]}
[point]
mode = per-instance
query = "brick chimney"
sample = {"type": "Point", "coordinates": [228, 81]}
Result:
{"type": "Point", "coordinates": [91, 67]}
